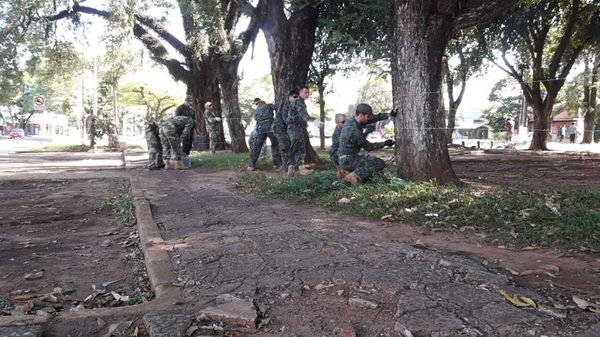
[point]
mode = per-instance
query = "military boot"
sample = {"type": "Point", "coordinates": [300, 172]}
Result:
{"type": "Point", "coordinates": [341, 173]}
{"type": "Point", "coordinates": [352, 178]}
{"type": "Point", "coordinates": [179, 165]}
{"type": "Point", "coordinates": [168, 165]}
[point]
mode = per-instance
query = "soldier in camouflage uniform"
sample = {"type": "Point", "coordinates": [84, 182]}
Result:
{"type": "Point", "coordinates": [186, 109]}
{"type": "Point", "coordinates": [212, 126]}
{"type": "Point", "coordinates": [173, 132]}
{"type": "Point", "coordinates": [155, 159]}
{"type": "Point", "coordinates": [340, 119]}
{"type": "Point", "coordinates": [352, 140]}
{"type": "Point", "coordinates": [296, 123]}
{"type": "Point", "coordinates": [280, 129]}
{"type": "Point", "coordinates": [264, 128]}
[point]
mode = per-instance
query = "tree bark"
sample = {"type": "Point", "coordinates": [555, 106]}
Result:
{"type": "Point", "coordinates": [421, 35]}
{"type": "Point", "coordinates": [290, 42]}
{"type": "Point", "coordinates": [321, 90]}
{"type": "Point", "coordinates": [541, 125]}
{"type": "Point", "coordinates": [204, 86]}
{"type": "Point", "coordinates": [590, 93]}
{"type": "Point", "coordinates": [229, 81]}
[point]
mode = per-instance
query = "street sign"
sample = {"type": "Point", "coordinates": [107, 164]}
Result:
{"type": "Point", "coordinates": [39, 103]}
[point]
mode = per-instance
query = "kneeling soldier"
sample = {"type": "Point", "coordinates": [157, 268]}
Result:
{"type": "Point", "coordinates": [352, 139]}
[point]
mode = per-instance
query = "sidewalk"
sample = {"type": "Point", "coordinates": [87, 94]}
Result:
{"type": "Point", "coordinates": [318, 272]}
{"type": "Point", "coordinates": [238, 261]}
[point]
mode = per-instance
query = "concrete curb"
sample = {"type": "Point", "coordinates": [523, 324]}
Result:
{"type": "Point", "coordinates": [158, 263]}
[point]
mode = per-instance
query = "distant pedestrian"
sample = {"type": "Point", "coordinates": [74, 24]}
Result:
{"type": "Point", "coordinates": [187, 109]}
{"type": "Point", "coordinates": [212, 126]}
{"type": "Point", "coordinates": [173, 132]}
{"type": "Point", "coordinates": [560, 134]}
{"type": "Point", "coordinates": [572, 131]}
{"type": "Point", "coordinates": [509, 126]}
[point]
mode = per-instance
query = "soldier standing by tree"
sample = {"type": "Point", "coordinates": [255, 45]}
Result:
{"type": "Point", "coordinates": [280, 129]}
{"type": "Point", "coordinates": [296, 122]}
{"type": "Point", "coordinates": [352, 140]}
{"type": "Point", "coordinates": [212, 126]}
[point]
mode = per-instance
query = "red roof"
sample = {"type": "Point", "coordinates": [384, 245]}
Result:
{"type": "Point", "coordinates": [565, 116]}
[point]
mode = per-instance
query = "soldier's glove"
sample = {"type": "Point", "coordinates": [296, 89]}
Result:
{"type": "Point", "coordinates": [388, 142]}
{"type": "Point", "coordinates": [394, 112]}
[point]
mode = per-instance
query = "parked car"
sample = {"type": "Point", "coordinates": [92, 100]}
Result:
{"type": "Point", "coordinates": [16, 133]}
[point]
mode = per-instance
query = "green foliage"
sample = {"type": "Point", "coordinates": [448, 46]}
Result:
{"type": "Point", "coordinates": [514, 216]}
{"type": "Point", "coordinates": [507, 101]}
{"type": "Point", "coordinates": [377, 92]}
{"type": "Point", "coordinates": [359, 28]}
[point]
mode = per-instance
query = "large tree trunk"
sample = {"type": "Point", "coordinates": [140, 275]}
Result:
{"type": "Point", "coordinates": [204, 86]}
{"type": "Point", "coordinates": [290, 44]}
{"type": "Point", "coordinates": [590, 90]}
{"type": "Point", "coordinates": [321, 90]}
{"type": "Point", "coordinates": [541, 125]}
{"type": "Point", "coordinates": [420, 38]}
{"type": "Point", "coordinates": [229, 81]}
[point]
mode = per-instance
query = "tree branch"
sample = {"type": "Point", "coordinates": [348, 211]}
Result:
{"type": "Point", "coordinates": [473, 12]}
{"type": "Point", "coordinates": [159, 29]}
{"type": "Point", "coordinates": [565, 39]}
{"type": "Point", "coordinates": [159, 53]}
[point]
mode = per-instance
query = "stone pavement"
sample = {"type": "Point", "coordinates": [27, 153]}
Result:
{"type": "Point", "coordinates": [316, 273]}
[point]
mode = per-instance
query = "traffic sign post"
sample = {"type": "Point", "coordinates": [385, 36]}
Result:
{"type": "Point", "coordinates": [39, 103]}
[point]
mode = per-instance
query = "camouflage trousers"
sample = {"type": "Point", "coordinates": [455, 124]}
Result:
{"type": "Point", "coordinates": [213, 137]}
{"type": "Point", "coordinates": [186, 147]}
{"type": "Point", "coordinates": [171, 142]}
{"type": "Point", "coordinates": [364, 166]}
{"type": "Point", "coordinates": [297, 150]}
{"type": "Point", "coordinates": [283, 141]}
{"type": "Point", "coordinates": [256, 148]}
{"type": "Point", "coordinates": [155, 159]}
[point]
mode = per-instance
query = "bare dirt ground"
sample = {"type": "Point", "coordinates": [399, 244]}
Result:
{"type": "Point", "coordinates": [63, 247]}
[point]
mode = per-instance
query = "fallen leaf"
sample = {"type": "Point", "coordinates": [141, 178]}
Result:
{"type": "Point", "coordinates": [529, 248]}
{"type": "Point", "coordinates": [385, 217]}
{"type": "Point", "coordinates": [586, 305]}
{"type": "Point", "coordinates": [344, 201]}
{"type": "Point", "coordinates": [119, 297]}
{"type": "Point", "coordinates": [518, 301]}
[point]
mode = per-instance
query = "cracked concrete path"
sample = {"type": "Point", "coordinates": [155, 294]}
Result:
{"type": "Point", "coordinates": [318, 273]}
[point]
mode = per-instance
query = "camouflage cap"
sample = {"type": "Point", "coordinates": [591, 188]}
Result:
{"type": "Point", "coordinates": [189, 98]}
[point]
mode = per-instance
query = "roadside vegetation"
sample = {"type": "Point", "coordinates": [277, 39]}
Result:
{"type": "Point", "coordinates": [78, 148]}
{"type": "Point", "coordinates": [565, 219]}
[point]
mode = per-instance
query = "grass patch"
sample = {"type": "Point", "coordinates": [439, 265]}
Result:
{"type": "Point", "coordinates": [566, 219]}
{"type": "Point", "coordinates": [78, 148]}
{"type": "Point", "coordinates": [58, 148]}
{"type": "Point", "coordinates": [227, 160]}
{"type": "Point", "coordinates": [120, 203]}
